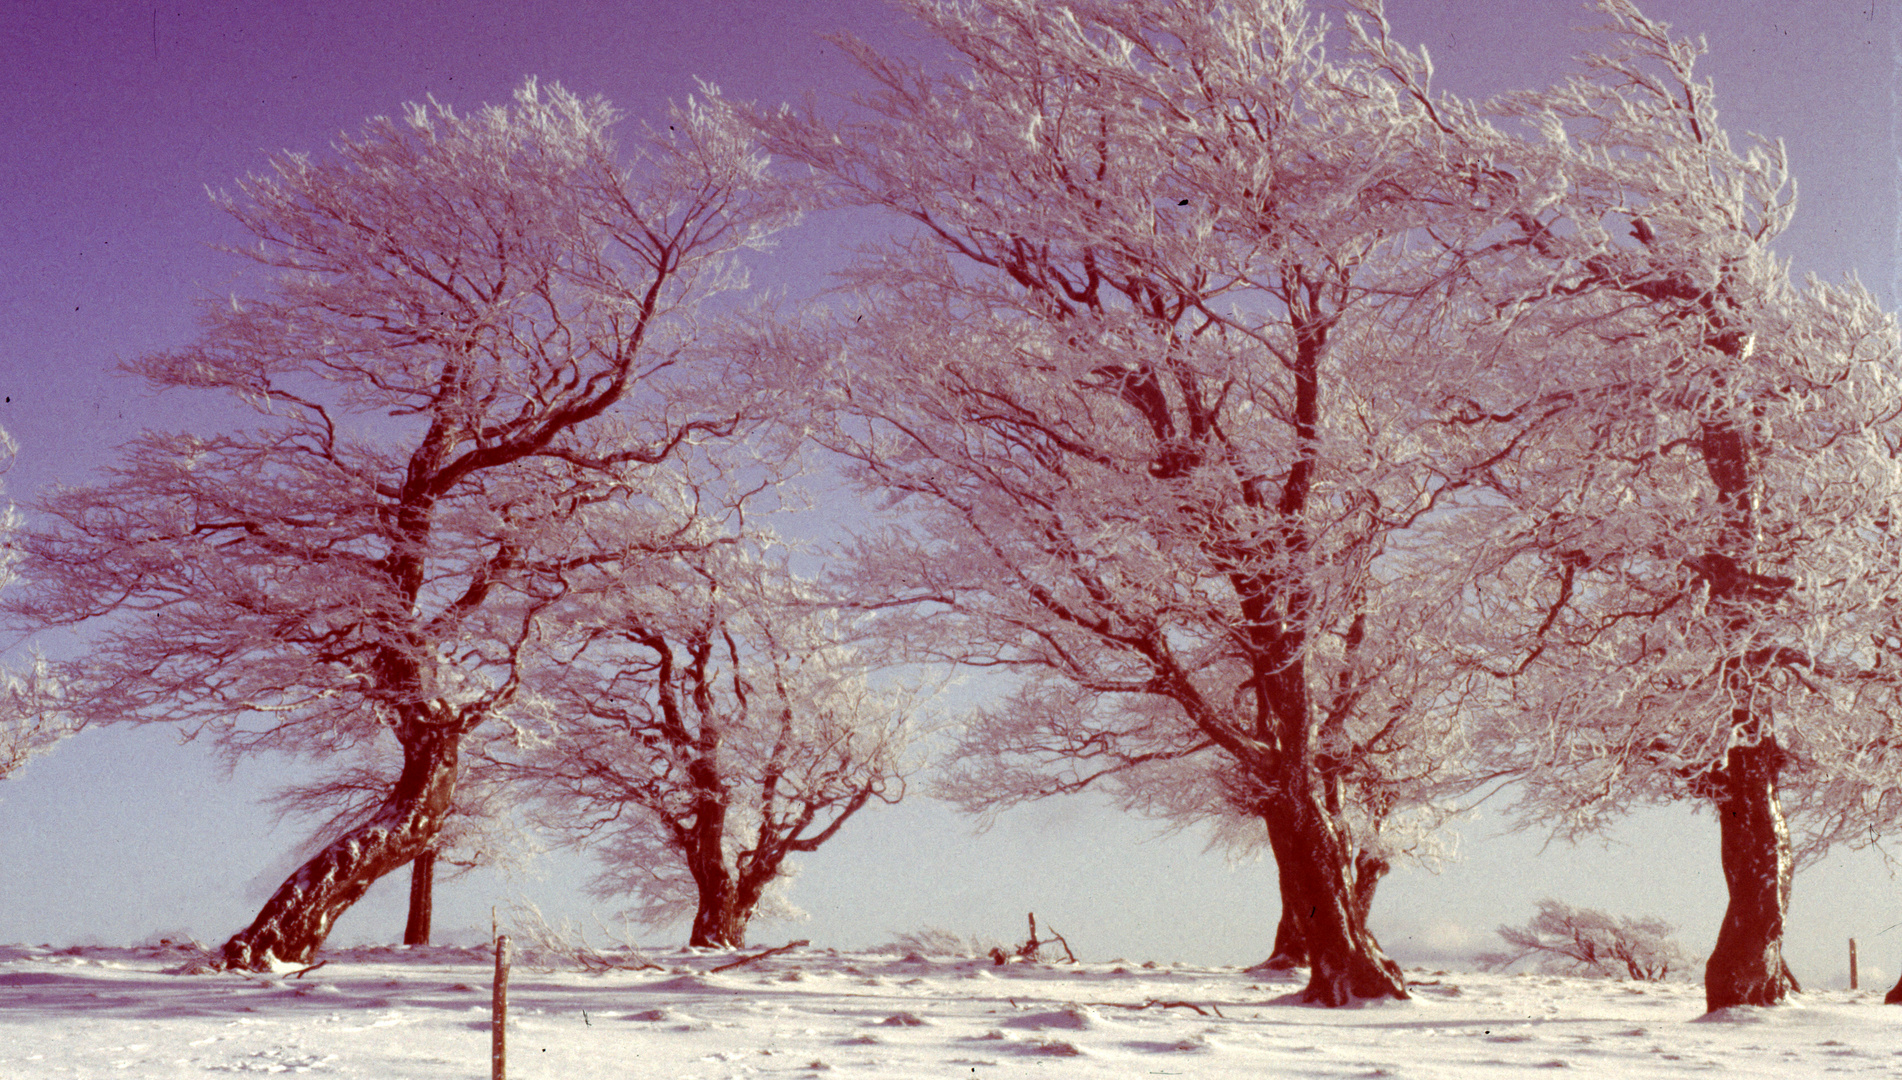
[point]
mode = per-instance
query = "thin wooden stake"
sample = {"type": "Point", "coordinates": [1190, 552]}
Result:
{"type": "Point", "coordinates": [499, 1012]}
{"type": "Point", "coordinates": [1852, 963]}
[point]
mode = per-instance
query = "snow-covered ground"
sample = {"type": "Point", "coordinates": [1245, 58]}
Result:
{"type": "Point", "coordinates": [397, 1014]}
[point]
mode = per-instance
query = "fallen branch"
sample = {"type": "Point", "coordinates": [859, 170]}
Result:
{"type": "Point", "coordinates": [1159, 1003]}
{"type": "Point", "coordinates": [745, 960]}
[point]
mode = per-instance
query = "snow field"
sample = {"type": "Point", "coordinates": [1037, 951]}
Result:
{"type": "Point", "coordinates": [407, 1014]}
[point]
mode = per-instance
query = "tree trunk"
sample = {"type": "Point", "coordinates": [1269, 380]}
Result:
{"type": "Point", "coordinates": [1369, 870]}
{"type": "Point", "coordinates": [705, 840]}
{"type": "Point", "coordinates": [1345, 962]}
{"type": "Point", "coordinates": [1894, 996]}
{"type": "Point", "coordinates": [1291, 949]}
{"type": "Point", "coordinates": [297, 918]}
{"type": "Point", "coordinates": [422, 888]}
{"type": "Point", "coordinates": [1747, 967]}
{"type": "Point", "coordinates": [718, 922]}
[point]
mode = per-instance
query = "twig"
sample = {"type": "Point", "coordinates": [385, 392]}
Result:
{"type": "Point", "coordinates": [301, 972]}
{"type": "Point", "coordinates": [1158, 1003]}
{"type": "Point", "coordinates": [1065, 944]}
{"type": "Point", "coordinates": [744, 960]}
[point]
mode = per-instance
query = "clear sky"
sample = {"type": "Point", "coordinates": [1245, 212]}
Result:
{"type": "Point", "coordinates": [118, 116]}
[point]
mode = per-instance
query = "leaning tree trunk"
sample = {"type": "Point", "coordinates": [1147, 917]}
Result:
{"type": "Point", "coordinates": [422, 888]}
{"type": "Point", "coordinates": [1747, 966]}
{"type": "Point", "coordinates": [297, 918]}
{"type": "Point", "coordinates": [1345, 962]}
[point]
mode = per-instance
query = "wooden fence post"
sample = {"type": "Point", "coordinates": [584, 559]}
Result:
{"type": "Point", "coordinates": [499, 1012]}
{"type": "Point", "coordinates": [1852, 963]}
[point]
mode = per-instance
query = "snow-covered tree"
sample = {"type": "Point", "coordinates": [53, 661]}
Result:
{"type": "Point", "coordinates": [455, 329]}
{"type": "Point", "coordinates": [31, 720]}
{"type": "Point", "coordinates": [1586, 941]}
{"type": "Point", "coordinates": [1151, 366]}
{"type": "Point", "coordinates": [701, 719]}
{"type": "Point", "coordinates": [1691, 582]}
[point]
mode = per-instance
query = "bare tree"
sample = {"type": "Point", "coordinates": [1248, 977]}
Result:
{"type": "Point", "coordinates": [1151, 364]}
{"type": "Point", "coordinates": [458, 328]}
{"type": "Point", "coordinates": [1691, 584]}
{"type": "Point", "coordinates": [702, 720]}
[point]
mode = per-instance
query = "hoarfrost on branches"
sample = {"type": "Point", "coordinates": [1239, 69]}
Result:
{"type": "Point", "coordinates": [1153, 370]}
{"type": "Point", "coordinates": [33, 716]}
{"type": "Point", "coordinates": [1687, 564]}
{"type": "Point", "coordinates": [1590, 942]}
{"type": "Point", "coordinates": [698, 717]}
{"type": "Point", "coordinates": [463, 327]}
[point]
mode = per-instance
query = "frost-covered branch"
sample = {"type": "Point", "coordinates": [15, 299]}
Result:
{"type": "Point", "coordinates": [464, 327]}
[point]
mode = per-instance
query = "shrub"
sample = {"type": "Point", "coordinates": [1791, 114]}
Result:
{"type": "Point", "coordinates": [1584, 941]}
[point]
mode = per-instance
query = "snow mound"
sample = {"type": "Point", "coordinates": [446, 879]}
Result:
{"type": "Point", "coordinates": [1068, 1018]}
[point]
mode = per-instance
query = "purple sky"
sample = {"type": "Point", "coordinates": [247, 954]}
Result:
{"type": "Point", "coordinates": [119, 115]}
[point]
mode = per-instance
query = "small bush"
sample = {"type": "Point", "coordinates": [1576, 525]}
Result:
{"type": "Point", "coordinates": [565, 946]}
{"type": "Point", "coordinates": [1583, 941]}
{"type": "Point", "coordinates": [933, 941]}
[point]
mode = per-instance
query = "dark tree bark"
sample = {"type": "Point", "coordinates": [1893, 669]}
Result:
{"type": "Point", "coordinates": [299, 916]}
{"type": "Point", "coordinates": [1345, 961]}
{"type": "Point", "coordinates": [1747, 967]}
{"type": "Point", "coordinates": [1369, 871]}
{"type": "Point", "coordinates": [719, 920]}
{"type": "Point", "coordinates": [727, 902]}
{"type": "Point", "coordinates": [1291, 946]}
{"type": "Point", "coordinates": [422, 888]}
{"type": "Point", "coordinates": [1291, 949]}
